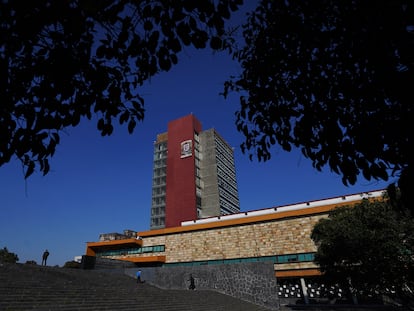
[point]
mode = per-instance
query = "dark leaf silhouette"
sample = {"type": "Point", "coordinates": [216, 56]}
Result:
{"type": "Point", "coordinates": [334, 79]}
{"type": "Point", "coordinates": [62, 61]}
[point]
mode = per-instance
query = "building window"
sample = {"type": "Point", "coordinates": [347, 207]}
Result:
{"type": "Point", "coordinates": [132, 251]}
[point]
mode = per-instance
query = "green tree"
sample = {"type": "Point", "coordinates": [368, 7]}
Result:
{"type": "Point", "coordinates": [333, 78]}
{"type": "Point", "coordinates": [63, 61]}
{"type": "Point", "coordinates": [8, 257]}
{"type": "Point", "coordinates": [369, 245]}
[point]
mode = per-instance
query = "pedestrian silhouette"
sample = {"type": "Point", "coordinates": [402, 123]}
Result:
{"type": "Point", "coordinates": [192, 284]}
{"type": "Point", "coordinates": [44, 257]}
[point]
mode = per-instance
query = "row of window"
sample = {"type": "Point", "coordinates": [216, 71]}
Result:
{"type": "Point", "coordinates": [160, 155]}
{"type": "Point", "coordinates": [158, 211]}
{"type": "Point", "coordinates": [160, 146]}
{"type": "Point", "coordinates": [225, 162]}
{"type": "Point", "coordinates": [132, 251]}
{"type": "Point", "coordinates": [227, 170]}
{"type": "Point", "coordinates": [231, 198]}
{"type": "Point", "coordinates": [157, 181]}
{"type": "Point", "coordinates": [160, 190]}
{"type": "Point", "coordinates": [231, 207]}
{"type": "Point", "coordinates": [224, 155]}
{"type": "Point", "coordinates": [157, 221]}
{"type": "Point", "coordinates": [227, 185]}
{"type": "Point", "coordinates": [160, 163]}
{"type": "Point", "coordinates": [159, 172]}
{"type": "Point", "coordinates": [226, 174]}
{"type": "Point", "coordinates": [227, 209]}
{"type": "Point", "coordinates": [158, 201]}
{"type": "Point", "coordinates": [295, 258]}
{"type": "Point", "coordinates": [305, 257]}
{"type": "Point", "coordinates": [278, 259]}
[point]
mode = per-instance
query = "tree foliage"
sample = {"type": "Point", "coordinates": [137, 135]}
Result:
{"type": "Point", "coordinates": [333, 78]}
{"type": "Point", "coordinates": [8, 257]}
{"type": "Point", "coordinates": [369, 245]}
{"type": "Point", "coordinates": [63, 61]}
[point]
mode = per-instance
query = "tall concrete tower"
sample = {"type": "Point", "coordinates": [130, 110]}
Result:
{"type": "Point", "coordinates": [193, 175]}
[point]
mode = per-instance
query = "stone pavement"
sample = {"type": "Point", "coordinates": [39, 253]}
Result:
{"type": "Point", "coordinates": [33, 287]}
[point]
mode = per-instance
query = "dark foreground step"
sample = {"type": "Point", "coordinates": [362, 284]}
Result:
{"type": "Point", "coordinates": [32, 287]}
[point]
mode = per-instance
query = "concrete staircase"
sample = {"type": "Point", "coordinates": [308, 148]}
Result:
{"type": "Point", "coordinates": [33, 287]}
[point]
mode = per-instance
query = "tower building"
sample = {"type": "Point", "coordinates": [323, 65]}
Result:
{"type": "Point", "coordinates": [193, 175]}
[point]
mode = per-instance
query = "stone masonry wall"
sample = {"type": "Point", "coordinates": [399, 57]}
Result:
{"type": "Point", "coordinates": [253, 282]}
{"type": "Point", "coordinates": [287, 236]}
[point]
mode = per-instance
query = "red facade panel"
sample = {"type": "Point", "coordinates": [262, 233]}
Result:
{"type": "Point", "coordinates": [181, 187]}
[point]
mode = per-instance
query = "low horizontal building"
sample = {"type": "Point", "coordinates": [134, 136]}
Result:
{"type": "Point", "coordinates": [279, 234]}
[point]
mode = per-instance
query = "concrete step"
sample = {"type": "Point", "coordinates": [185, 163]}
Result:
{"type": "Point", "coordinates": [32, 287]}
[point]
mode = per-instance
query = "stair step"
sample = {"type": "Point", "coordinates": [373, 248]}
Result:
{"type": "Point", "coordinates": [32, 287]}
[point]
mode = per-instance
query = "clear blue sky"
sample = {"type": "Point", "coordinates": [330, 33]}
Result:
{"type": "Point", "coordinates": [103, 184]}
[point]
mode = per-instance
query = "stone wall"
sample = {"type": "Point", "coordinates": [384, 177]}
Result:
{"type": "Point", "coordinates": [287, 236]}
{"type": "Point", "coordinates": [253, 282]}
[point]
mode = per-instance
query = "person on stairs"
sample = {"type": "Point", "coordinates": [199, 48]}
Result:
{"type": "Point", "coordinates": [192, 283]}
{"type": "Point", "coordinates": [44, 257]}
{"type": "Point", "coordinates": [139, 276]}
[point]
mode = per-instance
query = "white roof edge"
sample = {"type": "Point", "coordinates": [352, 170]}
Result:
{"type": "Point", "coordinates": [284, 208]}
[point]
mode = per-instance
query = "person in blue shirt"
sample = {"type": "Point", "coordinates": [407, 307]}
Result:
{"type": "Point", "coordinates": [139, 276]}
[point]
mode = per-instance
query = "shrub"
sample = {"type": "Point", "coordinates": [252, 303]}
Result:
{"type": "Point", "coordinates": [6, 256]}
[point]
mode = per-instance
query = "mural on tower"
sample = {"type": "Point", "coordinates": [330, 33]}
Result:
{"type": "Point", "coordinates": [186, 148]}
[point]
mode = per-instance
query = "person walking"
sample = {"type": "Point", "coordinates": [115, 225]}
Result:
{"type": "Point", "coordinates": [44, 257]}
{"type": "Point", "coordinates": [139, 273]}
{"type": "Point", "coordinates": [192, 283]}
